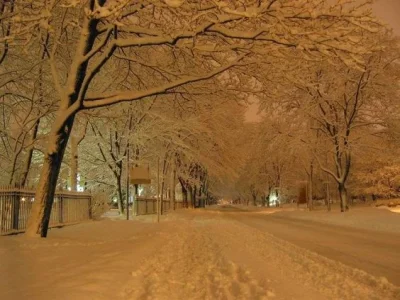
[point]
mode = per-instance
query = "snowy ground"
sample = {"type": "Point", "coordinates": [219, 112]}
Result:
{"type": "Point", "coordinates": [371, 218]}
{"type": "Point", "coordinates": [367, 217]}
{"type": "Point", "coordinates": [189, 255]}
{"type": "Point", "coordinates": [357, 238]}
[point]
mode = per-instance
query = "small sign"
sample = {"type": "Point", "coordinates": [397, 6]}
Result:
{"type": "Point", "coordinates": [139, 175]}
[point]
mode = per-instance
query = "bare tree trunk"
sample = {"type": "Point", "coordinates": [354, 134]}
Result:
{"type": "Point", "coordinates": [194, 198]}
{"type": "Point", "coordinates": [343, 197]}
{"type": "Point", "coordinates": [162, 195]}
{"type": "Point", "coordinates": [189, 197]}
{"type": "Point", "coordinates": [18, 147]}
{"type": "Point", "coordinates": [75, 141]}
{"type": "Point", "coordinates": [310, 188]}
{"type": "Point", "coordinates": [184, 192]}
{"type": "Point", "coordinates": [328, 197]}
{"type": "Point", "coordinates": [28, 161]}
{"type": "Point", "coordinates": [172, 199]}
{"type": "Point", "coordinates": [254, 199]}
{"type": "Point", "coordinates": [185, 197]}
{"type": "Point", "coordinates": [35, 129]}
{"type": "Point", "coordinates": [310, 195]}
{"type": "Point", "coordinates": [164, 172]}
{"type": "Point", "coordinates": [269, 195]}
{"type": "Point", "coordinates": [190, 193]}
{"type": "Point", "coordinates": [120, 200]}
{"type": "Point", "coordinates": [38, 222]}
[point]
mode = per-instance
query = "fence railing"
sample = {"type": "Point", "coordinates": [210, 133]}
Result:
{"type": "Point", "coordinates": [147, 206]}
{"type": "Point", "coordinates": [16, 205]}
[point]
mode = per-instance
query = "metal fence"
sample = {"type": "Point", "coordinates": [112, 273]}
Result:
{"type": "Point", "coordinates": [147, 206]}
{"type": "Point", "coordinates": [16, 204]}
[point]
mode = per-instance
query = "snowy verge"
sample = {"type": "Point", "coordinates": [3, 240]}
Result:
{"type": "Point", "coordinates": [368, 218]}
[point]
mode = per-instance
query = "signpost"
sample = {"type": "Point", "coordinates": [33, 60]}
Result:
{"type": "Point", "coordinates": [138, 175]}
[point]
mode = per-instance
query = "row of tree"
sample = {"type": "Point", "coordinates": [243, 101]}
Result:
{"type": "Point", "coordinates": [325, 121]}
{"type": "Point", "coordinates": [66, 62]}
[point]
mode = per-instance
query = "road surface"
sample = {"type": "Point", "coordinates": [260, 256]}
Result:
{"type": "Point", "coordinates": [377, 253]}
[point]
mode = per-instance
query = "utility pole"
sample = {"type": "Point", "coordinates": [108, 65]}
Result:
{"type": "Point", "coordinates": [158, 190]}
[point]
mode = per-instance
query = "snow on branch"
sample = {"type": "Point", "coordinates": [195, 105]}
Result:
{"type": "Point", "coordinates": [92, 102]}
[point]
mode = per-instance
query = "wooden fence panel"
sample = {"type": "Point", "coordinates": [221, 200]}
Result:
{"type": "Point", "coordinates": [147, 206]}
{"type": "Point", "coordinates": [16, 204]}
{"type": "Point", "coordinates": [179, 205]}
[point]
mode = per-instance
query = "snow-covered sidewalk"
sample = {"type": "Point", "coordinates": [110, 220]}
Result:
{"type": "Point", "coordinates": [189, 255]}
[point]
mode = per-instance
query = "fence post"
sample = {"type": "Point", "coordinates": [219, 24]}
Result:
{"type": "Point", "coordinates": [60, 209]}
{"type": "Point", "coordinates": [1, 213]}
{"type": "Point", "coordinates": [15, 209]}
{"type": "Point", "coordinates": [90, 206]}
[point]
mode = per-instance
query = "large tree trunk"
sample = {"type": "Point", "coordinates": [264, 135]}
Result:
{"type": "Point", "coordinates": [40, 214]}
{"type": "Point", "coordinates": [343, 197]}
{"type": "Point", "coordinates": [38, 222]}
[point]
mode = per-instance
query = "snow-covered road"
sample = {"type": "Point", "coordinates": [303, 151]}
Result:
{"type": "Point", "coordinates": [376, 252]}
{"type": "Point", "coordinates": [189, 255]}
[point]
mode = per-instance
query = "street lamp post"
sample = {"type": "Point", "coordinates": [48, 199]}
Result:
{"type": "Point", "coordinates": [127, 183]}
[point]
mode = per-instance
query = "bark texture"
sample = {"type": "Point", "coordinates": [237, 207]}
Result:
{"type": "Point", "coordinates": [38, 222]}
